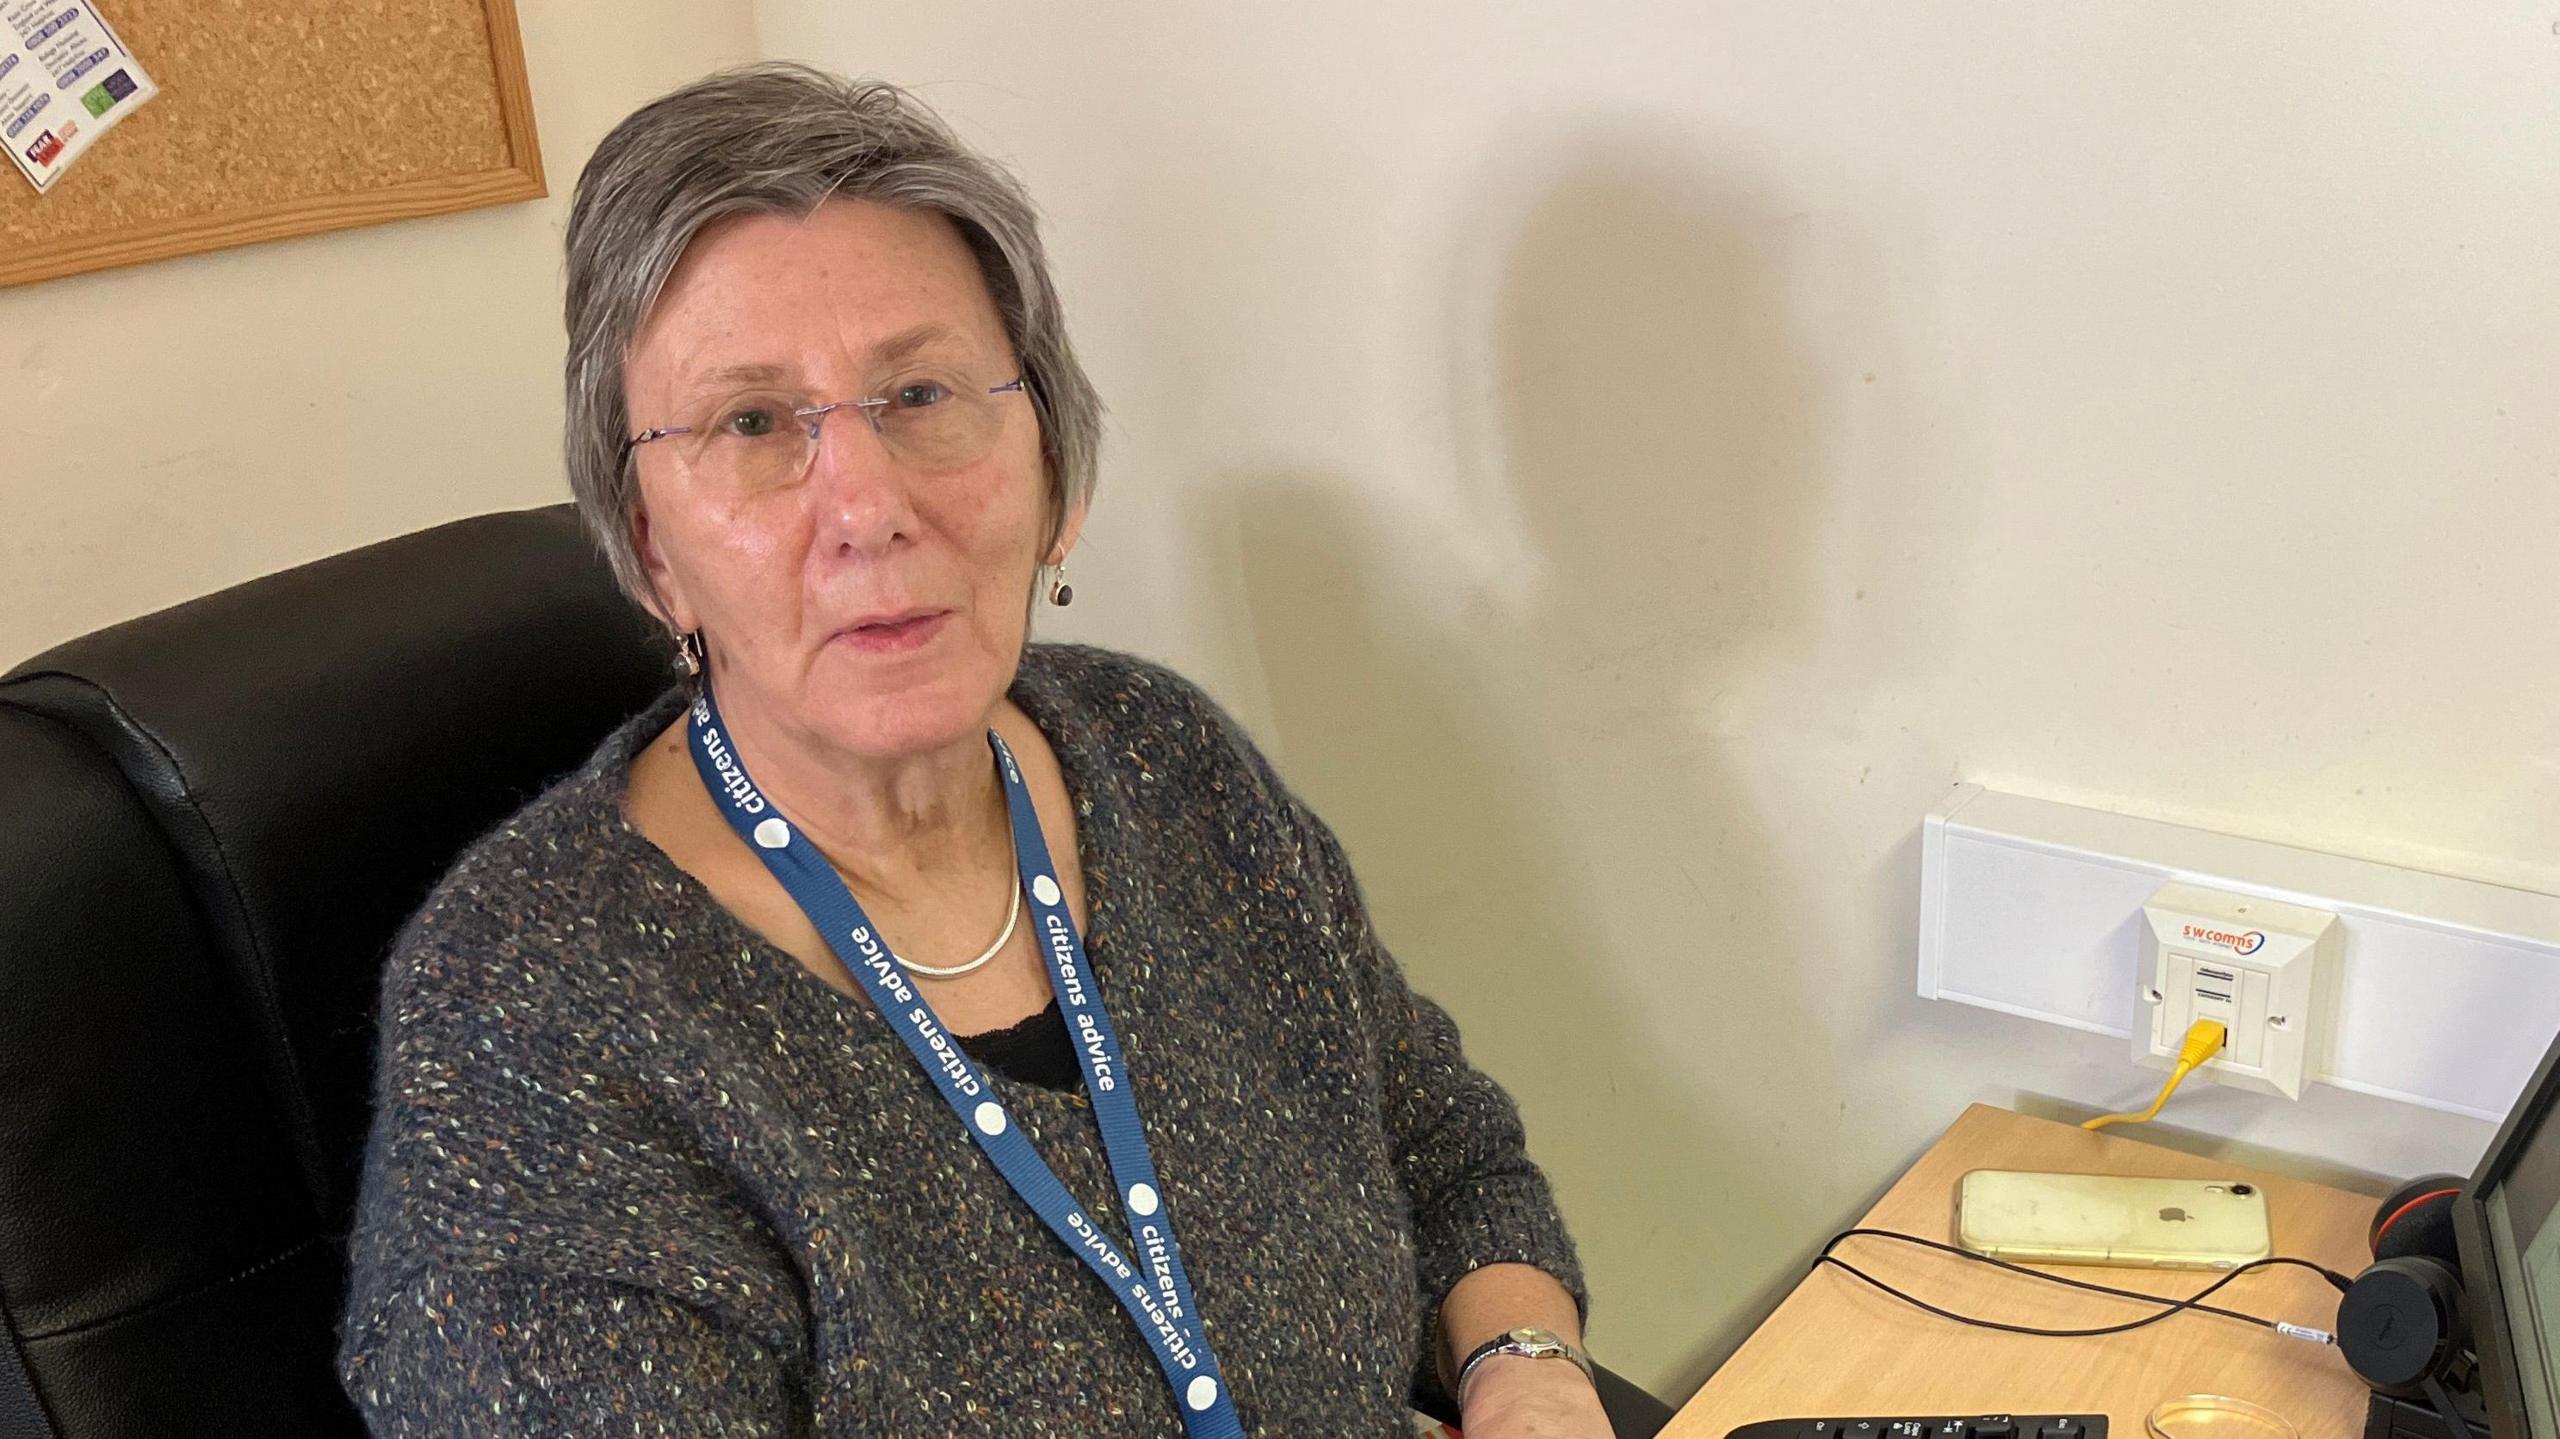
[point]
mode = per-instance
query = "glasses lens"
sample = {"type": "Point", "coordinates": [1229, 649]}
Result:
{"type": "Point", "coordinates": [937, 420]}
{"type": "Point", "coordinates": [749, 442]}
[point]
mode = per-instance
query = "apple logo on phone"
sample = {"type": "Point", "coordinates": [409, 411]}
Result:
{"type": "Point", "coordinates": [2173, 1214]}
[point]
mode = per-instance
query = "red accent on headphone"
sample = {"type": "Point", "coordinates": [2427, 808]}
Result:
{"type": "Point", "coordinates": [2384, 1227]}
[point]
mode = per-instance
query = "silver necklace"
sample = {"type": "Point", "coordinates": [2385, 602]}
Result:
{"type": "Point", "coordinates": [1012, 913]}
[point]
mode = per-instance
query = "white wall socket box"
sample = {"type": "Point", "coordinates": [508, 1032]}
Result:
{"type": "Point", "coordinates": [2448, 989]}
{"type": "Point", "coordinates": [2267, 971]}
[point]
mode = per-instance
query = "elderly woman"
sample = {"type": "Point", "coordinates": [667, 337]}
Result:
{"type": "Point", "coordinates": [901, 1029]}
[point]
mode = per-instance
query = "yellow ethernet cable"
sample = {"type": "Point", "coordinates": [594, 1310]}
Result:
{"type": "Point", "coordinates": [2203, 1038]}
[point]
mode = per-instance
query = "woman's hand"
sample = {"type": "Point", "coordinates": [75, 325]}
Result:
{"type": "Point", "coordinates": [1516, 1396]}
{"type": "Point", "coordinates": [1512, 1396]}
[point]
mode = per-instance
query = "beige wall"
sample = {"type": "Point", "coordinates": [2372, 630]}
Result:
{"type": "Point", "coordinates": [1627, 460]}
{"type": "Point", "coordinates": [273, 404]}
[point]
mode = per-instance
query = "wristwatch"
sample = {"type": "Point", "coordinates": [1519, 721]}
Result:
{"type": "Point", "coordinates": [1528, 1344]}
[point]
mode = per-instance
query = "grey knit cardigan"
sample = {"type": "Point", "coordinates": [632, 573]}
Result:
{"type": "Point", "coordinates": [634, 1172]}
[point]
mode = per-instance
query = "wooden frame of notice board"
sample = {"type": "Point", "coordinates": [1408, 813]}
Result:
{"type": "Point", "coordinates": [284, 118]}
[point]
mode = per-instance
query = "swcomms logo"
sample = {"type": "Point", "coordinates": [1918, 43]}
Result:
{"type": "Point", "coordinates": [2247, 942]}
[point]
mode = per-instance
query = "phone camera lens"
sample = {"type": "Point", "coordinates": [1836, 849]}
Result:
{"type": "Point", "coordinates": [2244, 1189]}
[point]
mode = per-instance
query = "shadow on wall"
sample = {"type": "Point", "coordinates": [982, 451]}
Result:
{"type": "Point", "coordinates": [1537, 775]}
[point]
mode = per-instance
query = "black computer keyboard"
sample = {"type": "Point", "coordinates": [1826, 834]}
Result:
{"type": "Point", "coordinates": [1980, 1426]}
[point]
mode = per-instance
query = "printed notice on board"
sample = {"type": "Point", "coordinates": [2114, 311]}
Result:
{"type": "Point", "coordinates": [65, 80]}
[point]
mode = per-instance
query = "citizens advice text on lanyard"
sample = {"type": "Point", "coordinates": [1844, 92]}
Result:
{"type": "Point", "coordinates": [1156, 1293]}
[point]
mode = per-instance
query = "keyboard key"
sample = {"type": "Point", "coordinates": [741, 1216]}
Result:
{"type": "Point", "coordinates": [1994, 1427]}
{"type": "Point", "coordinates": [2061, 1429]}
{"type": "Point", "coordinates": [1822, 1429]}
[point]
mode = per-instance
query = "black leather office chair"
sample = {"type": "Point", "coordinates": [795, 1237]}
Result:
{"type": "Point", "coordinates": [212, 821]}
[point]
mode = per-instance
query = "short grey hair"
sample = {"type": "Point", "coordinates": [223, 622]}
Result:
{"type": "Point", "coordinates": [782, 138]}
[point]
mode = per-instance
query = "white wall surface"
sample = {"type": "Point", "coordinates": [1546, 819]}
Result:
{"type": "Point", "coordinates": [1627, 460]}
{"type": "Point", "coordinates": [274, 404]}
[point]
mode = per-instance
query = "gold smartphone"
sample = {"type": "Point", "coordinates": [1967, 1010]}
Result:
{"type": "Point", "coordinates": [2017, 1214]}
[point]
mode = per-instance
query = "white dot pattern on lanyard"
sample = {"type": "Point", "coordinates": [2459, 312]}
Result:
{"type": "Point", "coordinates": [1203, 1392]}
{"type": "Point", "coordinates": [1044, 889]}
{"type": "Point", "coordinates": [773, 834]}
{"type": "Point", "coordinates": [1142, 1199]}
{"type": "Point", "coordinates": [991, 1118]}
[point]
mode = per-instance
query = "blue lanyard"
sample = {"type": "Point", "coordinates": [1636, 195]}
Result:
{"type": "Point", "coordinates": [1154, 1288]}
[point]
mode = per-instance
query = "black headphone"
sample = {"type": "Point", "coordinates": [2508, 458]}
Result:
{"type": "Point", "coordinates": [2401, 1324]}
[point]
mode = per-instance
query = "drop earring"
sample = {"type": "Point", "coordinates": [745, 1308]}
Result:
{"type": "Point", "coordinates": [1061, 593]}
{"type": "Point", "coordinates": [691, 653]}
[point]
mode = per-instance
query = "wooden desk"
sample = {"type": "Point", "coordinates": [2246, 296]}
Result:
{"type": "Point", "coordinates": [1839, 1348]}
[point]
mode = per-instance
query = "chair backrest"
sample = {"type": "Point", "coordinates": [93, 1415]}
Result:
{"type": "Point", "coordinates": [212, 822]}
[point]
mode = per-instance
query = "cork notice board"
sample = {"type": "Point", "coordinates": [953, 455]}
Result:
{"type": "Point", "coordinates": [286, 117]}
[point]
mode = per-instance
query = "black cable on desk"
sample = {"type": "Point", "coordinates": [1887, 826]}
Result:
{"type": "Point", "coordinates": [2169, 1306]}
